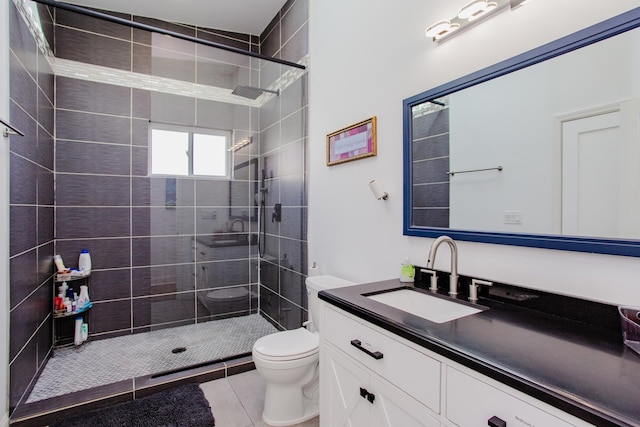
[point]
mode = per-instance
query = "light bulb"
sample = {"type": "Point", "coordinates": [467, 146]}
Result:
{"type": "Point", "coordinates": [440, 29]}
{"type": "Point", "coordinates": [476, 9]}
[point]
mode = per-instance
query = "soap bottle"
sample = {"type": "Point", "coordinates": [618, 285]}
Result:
{"type": "Point", "coordinates": [63, 290]}
{"type": "Point", "coordinates": [314, 270]}
{"type": "Point", "coordinates": [83, 298]}
{"type": "Point", "coordinates": [57, 259]}
{"type": "Point", "coordinates": [84, 262]}
{"type": "Point", "coordinates": [77, 336]}
{"type": "Point", "coordinates": [407, 272]}
{"type": "Point", "coordinates": [85, 331]}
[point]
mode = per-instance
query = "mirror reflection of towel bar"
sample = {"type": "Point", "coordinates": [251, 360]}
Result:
{"type": "Point", "coordinates": [451, 173]}
{"type": "Point", "coordinates": [10, 129]}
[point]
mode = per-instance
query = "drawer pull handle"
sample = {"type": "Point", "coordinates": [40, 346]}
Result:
{"type": "Point", "coordinates": [375, 354]}
{"type": "Point", "coordinates": [496, 422]}
{"type": "Point", "coordinates": [364, 393]}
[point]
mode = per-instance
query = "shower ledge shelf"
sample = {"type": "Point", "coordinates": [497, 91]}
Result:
{"type": "Point", "coordinates": [58, 314]}
{"type": "Point", "coordinates": [68, 277]}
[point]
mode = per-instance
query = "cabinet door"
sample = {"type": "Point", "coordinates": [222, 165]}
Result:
{"type": "Point", "coordinates": [471, 402]}
{"type": "Point", "coordinates": [393, 408]}
{"type": "Point", "coordinates": [409, 370]}
{"type": "Point", "coordinates": [343, 404]}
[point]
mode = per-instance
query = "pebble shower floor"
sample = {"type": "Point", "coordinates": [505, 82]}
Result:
{"type": "Point", "coordinates": [110, 360]}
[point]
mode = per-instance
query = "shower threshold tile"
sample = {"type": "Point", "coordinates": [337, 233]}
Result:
{"type": "Point", "coordinates": [150, 384]}
{"type": "Point", "coordinates": [72, 403]}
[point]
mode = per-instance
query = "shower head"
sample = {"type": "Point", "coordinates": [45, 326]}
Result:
{"type": "Point", "coordinates": [252, 92]}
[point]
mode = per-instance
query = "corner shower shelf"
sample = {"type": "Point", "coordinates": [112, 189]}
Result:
{"type": "Point", "coordinates": [62, 327]}
{"type": "Point", "coordinates": [58, 314]}
{"type": "Point", "coordinates": [70, 277]}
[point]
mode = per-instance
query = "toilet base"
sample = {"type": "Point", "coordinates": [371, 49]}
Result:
{"type": "Point", "coordinates": [312, 411]}
{"type": "Point", "coordinates": [286, 405]}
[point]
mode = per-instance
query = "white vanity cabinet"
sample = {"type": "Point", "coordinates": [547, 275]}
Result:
{"type": "Point", "coordinates": [365, 376]}
{"type": "Point", "coordinates": [355, 396]}
{"type": "Point", "coordinates": [371, 377]}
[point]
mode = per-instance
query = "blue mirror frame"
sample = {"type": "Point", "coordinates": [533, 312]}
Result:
{"type": "Point", "coordinates": [603, 30]}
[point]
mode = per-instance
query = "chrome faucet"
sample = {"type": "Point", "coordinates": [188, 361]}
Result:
{"type": "Point", "coordinates": [453, 281]}
{"type": "Point", "coordinates": [234, 222]}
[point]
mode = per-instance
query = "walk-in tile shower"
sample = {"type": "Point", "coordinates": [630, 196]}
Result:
{"type": "Point", "coordinates": [168, 249]}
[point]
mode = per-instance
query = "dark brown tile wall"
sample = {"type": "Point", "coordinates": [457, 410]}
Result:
{"type": "Point", "coordinates": [283, 142]}
{"type": "Point", "coordinates": [31, 208]}
{"type": "Point", "coordinates": [430, 166]}
{"type": "Point", "coordinates": [146, 254]}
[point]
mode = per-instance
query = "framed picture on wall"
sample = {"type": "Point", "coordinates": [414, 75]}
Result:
{"type": "Point", "coordinates": [351, 143]}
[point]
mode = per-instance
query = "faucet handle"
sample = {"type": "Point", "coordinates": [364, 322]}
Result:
{"type": "Point", "coordinates": [473, 288]}
{"type": "Point", "coordinates": [434, 279]}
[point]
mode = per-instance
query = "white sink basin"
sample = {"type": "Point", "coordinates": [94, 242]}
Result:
{"type": "Point", "coordinates": [428, 307]}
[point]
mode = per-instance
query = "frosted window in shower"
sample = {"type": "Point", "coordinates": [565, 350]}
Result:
{"type": "Point", "coordinates": [209, 155]}
{"type": "Point", "coordinates": [185, 151]}
{"type": "Point", "coordinates": [169, 152]}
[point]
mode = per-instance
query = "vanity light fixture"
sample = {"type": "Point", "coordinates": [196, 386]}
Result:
{"type": "Point", "coordinates": [240, 144]}
{"type": "Point", "coordinates": [470, 14]}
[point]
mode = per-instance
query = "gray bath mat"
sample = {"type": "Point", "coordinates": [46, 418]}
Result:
{"type": "Point", "coordinates": [183, 406]}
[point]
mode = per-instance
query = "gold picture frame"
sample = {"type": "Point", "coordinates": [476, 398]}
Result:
{"type": "Point", "coordinates": [352, 143]}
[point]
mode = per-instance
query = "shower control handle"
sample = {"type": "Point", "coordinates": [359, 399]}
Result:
{"type": "Point", "coordinates": [277, 213]}
{"type": "Point", "coordinates": [375, 354]}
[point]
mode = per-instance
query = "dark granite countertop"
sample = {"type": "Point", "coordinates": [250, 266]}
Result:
{"type": "Point", "coordinates": [582, 369]}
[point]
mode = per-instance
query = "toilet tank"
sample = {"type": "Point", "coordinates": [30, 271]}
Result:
{"type": "Point", "coordinates": [316, 284]}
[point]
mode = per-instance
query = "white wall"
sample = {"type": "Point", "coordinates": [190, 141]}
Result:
{"type": "Point", "coordinates": [366, 57]}
{"type": "Point", "coordinates": [4, 215]}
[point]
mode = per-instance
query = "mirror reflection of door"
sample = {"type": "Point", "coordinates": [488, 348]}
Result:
{"type": "Point", "coordinates": [597, 190]}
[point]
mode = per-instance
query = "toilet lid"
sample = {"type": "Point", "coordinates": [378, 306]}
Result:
{"type": "Point", "coordinates": [228, 293]}
{"type": "Point", "coordinates": [288, 344]}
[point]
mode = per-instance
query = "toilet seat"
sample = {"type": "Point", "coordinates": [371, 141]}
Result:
{"type": "Point", "coordinates": [287, 345]}
{"type": "Point", "coordinates": [227, 294]}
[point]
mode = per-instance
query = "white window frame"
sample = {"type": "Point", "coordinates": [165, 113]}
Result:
{"type": "Point", "coordinates": [191, 131]}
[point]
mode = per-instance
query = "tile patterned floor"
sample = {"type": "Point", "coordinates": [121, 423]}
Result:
{"type": "Point", "coordinates": [238, 401]}
{"type": "Point", "coordinates": [114, 359]}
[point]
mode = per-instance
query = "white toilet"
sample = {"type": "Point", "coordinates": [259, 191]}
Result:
{"type": "Point", "coordinates": [288, 361]}
{"type": "Point", "coordinates": [226, 300]}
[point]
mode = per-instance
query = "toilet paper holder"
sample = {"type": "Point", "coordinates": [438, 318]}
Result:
{"type": "Point", "coordinates": [377, 191]}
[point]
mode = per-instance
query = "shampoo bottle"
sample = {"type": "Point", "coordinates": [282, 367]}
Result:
{"type": "Point", "coordinates": [83, 298]}
{"type": "Point", "coordinates": [57, 259]}
{"type": "Point", "coordinates": [407, 272]}
{"type": "Point", "coordinates": [85, 331]}
{"type": "Point", "coordinates": [84, 262]}
{"type": "Point", "coordinates": [77, 336]}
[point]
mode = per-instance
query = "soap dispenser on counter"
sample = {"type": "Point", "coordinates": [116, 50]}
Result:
{"type": "Point", "coordinates": [407, 272]}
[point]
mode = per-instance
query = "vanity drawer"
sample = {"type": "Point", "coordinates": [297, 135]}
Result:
{"type": "Point", "coordinates": [472, 402]}
{"type": "Point", "coordinates": [410, 370]}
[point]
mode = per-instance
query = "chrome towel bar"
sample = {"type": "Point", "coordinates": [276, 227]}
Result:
{"type": "Point", "coordinates": [498, 168]}
{"type": "Point", "coordinates": [10, 130]}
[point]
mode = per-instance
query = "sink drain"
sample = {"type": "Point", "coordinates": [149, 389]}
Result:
{"type": "Point", "coordinates": [178, 350]}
